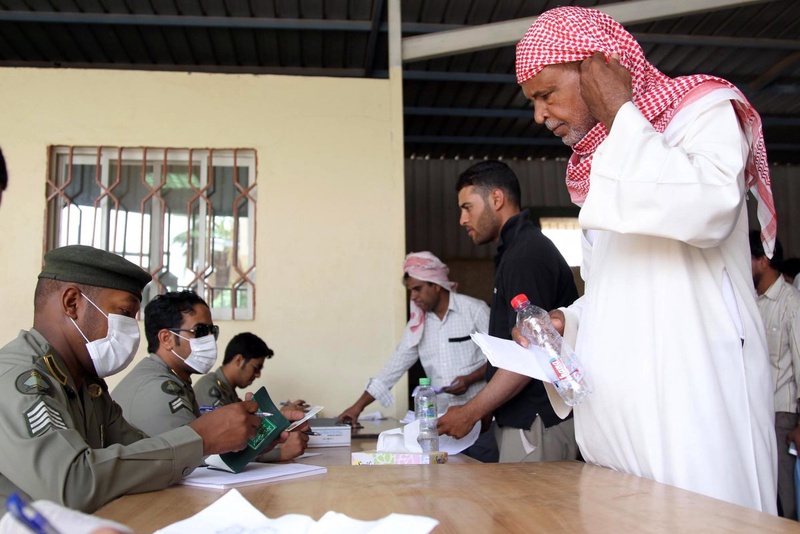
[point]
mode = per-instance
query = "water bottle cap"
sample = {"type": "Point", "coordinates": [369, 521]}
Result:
{"type": "Point", "coordinates": [424, 381]}
{"type": "Point", "coordinates": [519, 300]}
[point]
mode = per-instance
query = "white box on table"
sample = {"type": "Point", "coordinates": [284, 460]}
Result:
{"type": "Point", "coordinates": [330, 433]}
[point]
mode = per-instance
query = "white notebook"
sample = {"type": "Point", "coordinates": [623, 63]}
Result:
{"type": "Point", "coordinates": [254, 473]}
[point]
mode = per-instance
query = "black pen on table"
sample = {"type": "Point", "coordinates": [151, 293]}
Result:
{"type": "Point", "coordinates": [311, 433]}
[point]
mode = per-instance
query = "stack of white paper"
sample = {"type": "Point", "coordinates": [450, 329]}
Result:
{"type": "Point", "coordinates": [233, 513]}
{"type": "Point", "coordinates": [254, 473]}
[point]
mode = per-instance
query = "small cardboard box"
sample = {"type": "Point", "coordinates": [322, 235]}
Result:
{"type": "Point", "coordinates": [330, 433]}
{"type": "Point", "coordinates": [397, 458]}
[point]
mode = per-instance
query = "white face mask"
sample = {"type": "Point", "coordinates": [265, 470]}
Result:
{"type": "Point", "coordinates": [203, 353]}
{"type": "Point", "coordinates": [116, 351]}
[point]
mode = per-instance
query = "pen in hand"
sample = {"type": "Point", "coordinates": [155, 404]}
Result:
{"type": "Point", "coordinates": [263, 414]}
{"type": "Point", "coordinates": [311, 433]}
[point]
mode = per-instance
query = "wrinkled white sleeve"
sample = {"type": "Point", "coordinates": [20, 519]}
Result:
{"type": "Point", "coordinates": [401, 361]}
{"type": "Point", "coordinates": [691, 192]}
{"type": "Point", "coordinates": [572, 313]}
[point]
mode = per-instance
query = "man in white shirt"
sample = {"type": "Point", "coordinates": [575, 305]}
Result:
{"type": "Point", "coordinates": [668, 328]}
{"type": "Point", "coordinates": [778, 303]}
{"type": "Point", "coordinates": [438, 335]}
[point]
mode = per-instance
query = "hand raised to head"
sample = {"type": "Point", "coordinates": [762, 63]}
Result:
{"type": "Point", "coordinates": [605, 87]}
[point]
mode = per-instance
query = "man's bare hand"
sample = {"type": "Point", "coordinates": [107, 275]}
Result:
{"type": "Point", "coordinates": [794, 437]}
{"type": "Point", "coordinates": [605, 87]}
{"type": "Point", "coordinates": [558, 320]}
{"type": "Point", "coordinates": [458, 386]}
{"type": "Point", "coordinates": [457, 422]}
{"type": "Point", "coordinates": [349, 416]}
{"type": "Point", "coordinates": [556, 317]}
{"type": "Point", "coordinates": [299, 404]}
{"type": "Point", "coordinates": [294, 446]}
{"type": "Point", "coordinates": [517, 336]}
{"type": "Point", "coordinates": [228, 427]}
{"type": "Point", "coordinates": [296, 415]}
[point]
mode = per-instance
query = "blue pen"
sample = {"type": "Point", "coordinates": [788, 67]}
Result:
{"type": "Point", "coordinates": [26, 514]}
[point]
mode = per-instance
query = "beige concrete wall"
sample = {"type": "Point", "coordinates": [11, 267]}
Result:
{"type": "Point", "coordinates": [330, 202]}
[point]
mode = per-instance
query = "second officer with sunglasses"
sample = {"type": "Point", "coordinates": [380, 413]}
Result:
{"type": "Point", "coordinates": [157, 394]}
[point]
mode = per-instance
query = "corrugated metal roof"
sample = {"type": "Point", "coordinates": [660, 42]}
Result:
{"type": "Point", "coordinates": [461, 105]}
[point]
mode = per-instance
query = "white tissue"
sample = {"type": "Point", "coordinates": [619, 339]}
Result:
{"type": "Point", "coordinates": [404, 439]}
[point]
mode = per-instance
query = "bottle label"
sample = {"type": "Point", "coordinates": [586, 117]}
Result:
{"type": "Point", "coordinates": [559, 368]}
{"type": "Point", "coordinates": [428, 410]}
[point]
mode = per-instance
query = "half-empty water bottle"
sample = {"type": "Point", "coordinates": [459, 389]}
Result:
{"type": "Point", "coordinates": [425, 409]}
{"type": "Point", "coordinates": [566, 372]}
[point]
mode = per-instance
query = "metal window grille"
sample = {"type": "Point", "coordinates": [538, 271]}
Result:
{"type": "Point", "coordinates": [185, 215]}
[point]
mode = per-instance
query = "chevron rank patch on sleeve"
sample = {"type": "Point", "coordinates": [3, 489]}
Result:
{"type": "Point", "coordinates": [179, 403]}
{"type": "Point", "coordinates": [40, 418]}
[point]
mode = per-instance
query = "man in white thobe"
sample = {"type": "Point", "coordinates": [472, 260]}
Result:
{"type": "Point", "coordinates": [668, 328]}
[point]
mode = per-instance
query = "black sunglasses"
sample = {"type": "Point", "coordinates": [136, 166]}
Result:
{"type": "Point", "coordinates": [201, 330]}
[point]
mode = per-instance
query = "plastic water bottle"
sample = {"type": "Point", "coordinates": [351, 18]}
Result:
{"type": "Point", "coordinates": [566, 372]}
{"type": "Point", "coordinates": [425, 409]}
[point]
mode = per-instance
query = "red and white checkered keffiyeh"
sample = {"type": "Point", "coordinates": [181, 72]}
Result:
{"type": "Point", "coordinates": [428, 268]}
{"type": "Point", "coordinates": [569, 34]}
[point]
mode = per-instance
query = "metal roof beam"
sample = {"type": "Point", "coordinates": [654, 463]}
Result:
{"type": "Point", "coordinates": [188, 21]}
{"type": "Point", "coordinates": [774, 72]}
{"type": "Point", "coordinates": [448, 76]}
{"type": "Point", "coordinates": [533, 141]}
{"type": "Point", "coordinates": [508, 32]}
{"type": "Point", "coordinates": [497, 113]}
{"type": "Point", "coordinates": [715, 40]}
{"type": "Point", "coordinates": [469, 112]}
{"type": "Point", "coordinates": [213, 69]}
{"type": "Point", "coordinates": [372, 42]}
{"type": "Point", "coordinates": [466, 140]}
{"type": "Point", "coordinates": [478, 77]}
{"type": "Point", "coordinates": [376, 24]}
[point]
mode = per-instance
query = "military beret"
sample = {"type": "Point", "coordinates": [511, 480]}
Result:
{"type": "Point", "coordinates": [94, 267]}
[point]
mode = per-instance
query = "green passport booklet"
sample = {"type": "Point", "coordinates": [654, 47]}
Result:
{"type": "Point", "coordinates": [270, 429]}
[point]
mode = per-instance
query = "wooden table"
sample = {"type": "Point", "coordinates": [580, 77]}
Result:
{"type": "Point", "coordinates": [539, 497]}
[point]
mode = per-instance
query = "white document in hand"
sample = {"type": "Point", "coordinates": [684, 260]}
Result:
{"type": "Point", "coordinates": [506, 354]}
{"type": "Point", "coordinates": [312, 411]}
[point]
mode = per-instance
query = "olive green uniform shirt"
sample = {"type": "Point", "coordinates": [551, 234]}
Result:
{"type": "Point", "coordinates": [214, 390]}
{"type": "Point", "coordinates": [71, 445]}
{"type": "Point", "coordinates": [154, 398]}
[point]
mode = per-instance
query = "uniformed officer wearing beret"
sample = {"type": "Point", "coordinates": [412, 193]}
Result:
{"type": "Point", "coordinates": [64, 439]}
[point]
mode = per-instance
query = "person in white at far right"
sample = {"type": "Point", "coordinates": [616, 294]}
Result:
{"type": "Point", "coordinates": [668, 329]}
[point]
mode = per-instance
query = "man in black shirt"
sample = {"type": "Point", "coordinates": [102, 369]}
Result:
{"type": "Point", "coordinates": [526, 262]}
